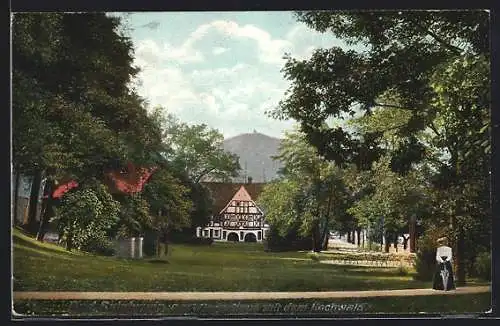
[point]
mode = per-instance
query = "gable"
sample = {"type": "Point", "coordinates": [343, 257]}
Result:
{"type": "Point", "coordinates": [223, 192]}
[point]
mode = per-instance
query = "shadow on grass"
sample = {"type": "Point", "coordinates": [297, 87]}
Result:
{"type": "Point", "coordinates": [158, 261]}
{"type": "Point", "coordinates": [36, 247]}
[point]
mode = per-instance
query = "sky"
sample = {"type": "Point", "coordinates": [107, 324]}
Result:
{"type": "Point", "coordinates": [220, 68]}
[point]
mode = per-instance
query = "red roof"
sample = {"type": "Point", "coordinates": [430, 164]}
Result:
{"type": "Point", "coordinates": [129, 181]}
{"type": "Point", "coordinates": [64, 188]}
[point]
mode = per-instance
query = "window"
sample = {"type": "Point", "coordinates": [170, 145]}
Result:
{"type": "Point", "coordinates": [216, 233]}
{"type": "Point", "coordinates": [223, 234]}
{"type": "Point", "coordinates": [205, 233]}
{"type": "Point", "coordinates": [259, 235]}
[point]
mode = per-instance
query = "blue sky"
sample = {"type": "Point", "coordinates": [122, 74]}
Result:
{"type": "Point", "coordinates": [220, 68]}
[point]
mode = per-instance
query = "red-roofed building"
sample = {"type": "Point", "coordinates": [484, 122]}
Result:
{"type": "Point", "coordinates": [236, 215]}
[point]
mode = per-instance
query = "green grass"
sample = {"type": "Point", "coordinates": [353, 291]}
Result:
{"type": "Point", "coordinates": [220, 267]}
{"type": "Point", "coordinates": [463, 303]}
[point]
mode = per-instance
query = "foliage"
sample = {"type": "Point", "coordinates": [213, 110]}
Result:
{"type": "Point", "coordinates": [197, 151]}
{"type": "Point", "coordinates": [311, 196]}
{"type": "Point", "coordinates": [291, 241]}
{"type": "Point", "coordinates": [429, 71]}
{"type": "Point", "coordinates": [134, 217]}
{"type": "Point", "coordinates": [425, 262]}
{"type": "Point", "coordinates": [100, 245]}
{"type": "Point", "coordinates": [84, 218]}
{"type": "Point", "coordinates": [483, 266]}
{"type": "Point", "coordinates": [168, 201]}
{"type": "Point", "coordinates": [74, 114]}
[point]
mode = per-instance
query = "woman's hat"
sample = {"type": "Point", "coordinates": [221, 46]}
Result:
{"type": "Point", "coordinates": [442, 240]}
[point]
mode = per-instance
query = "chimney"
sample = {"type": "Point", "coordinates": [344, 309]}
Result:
{"type": "Point", "coordinates": [249, 180]}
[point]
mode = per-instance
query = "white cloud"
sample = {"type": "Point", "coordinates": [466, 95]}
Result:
{"type": "Point", "coordinates": [270, 50]}
{"type": "Point", "coordinates": [234, 98]}
{"type": "Point", "coordinates": [151, 53]}
{"type": "Point", "coordinates": [219, 50]}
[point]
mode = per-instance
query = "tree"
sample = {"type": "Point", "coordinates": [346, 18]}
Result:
{"type": "Point", "coordinates": [169, 204]}
{"type": "Point", "coordinates": [311, 195]}
{"type": "Point", "coordinates": [85, 216]}
{"type": "Point", "coordinates": [197, 151]}
{"type": "Point", "coordinates": [73, 112]}
{"type": "Point", "coordinates": [407, 54]}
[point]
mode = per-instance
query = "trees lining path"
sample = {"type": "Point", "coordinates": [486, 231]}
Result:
{"type": "Point", "coordinates": [200, 296]}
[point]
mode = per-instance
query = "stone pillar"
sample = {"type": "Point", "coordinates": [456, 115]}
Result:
{"type": "Point", "coordinates": [138, 248]}
{"type": "Point", "coordinates": [131, 248]}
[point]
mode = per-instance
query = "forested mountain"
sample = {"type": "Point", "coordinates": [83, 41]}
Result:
{"type": "Point", "coordinates": [255, 151]}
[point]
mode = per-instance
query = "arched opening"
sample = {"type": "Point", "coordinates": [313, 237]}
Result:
{"type": "Point", "coordinates": [250, 237]}
{"type": "Point", "coordinates": [233, 237]}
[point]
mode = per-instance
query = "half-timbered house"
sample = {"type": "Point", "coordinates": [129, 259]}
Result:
{"type": "Point", "coordinates": [236, 215]}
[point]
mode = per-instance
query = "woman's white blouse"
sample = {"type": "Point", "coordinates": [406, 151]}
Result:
{"type": "Point", "coordinates": [443, 251]}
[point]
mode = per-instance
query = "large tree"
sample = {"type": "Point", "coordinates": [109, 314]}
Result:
{"type": "Point", "coordinates": [73, 112]}
{"type": "Point", "coordinates": [197, 151]}
{"type": "Point", "coordinates": [311, 194]}
{"type": "Point", "coordinates": [434, 62]}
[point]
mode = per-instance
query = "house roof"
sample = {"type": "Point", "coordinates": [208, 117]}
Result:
{"type": "Point", "coordinates": [130, 180]}
{"type": "Point", "coordinates": [223, 192]}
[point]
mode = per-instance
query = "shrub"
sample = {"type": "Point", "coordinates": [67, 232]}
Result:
{"type": "Point", "coordinates": [84, 217]}
{"type": "Point", "coordinates": [483, 266]}
{"type": "Point", "coordinates": [402, 270]}
{"type": "Point", "coordinates": [100, 245]}
{"type": "Point", "coordinates": [425, 260]}
{"type": "Point", "coordinates": [291, 242]}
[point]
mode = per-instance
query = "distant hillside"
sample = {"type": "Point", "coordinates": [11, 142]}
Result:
{"type": "Point", "coordinates": [255, 151]}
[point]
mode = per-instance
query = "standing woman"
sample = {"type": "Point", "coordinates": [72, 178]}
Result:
{"type": "Point", "coordinates": [443, 278]}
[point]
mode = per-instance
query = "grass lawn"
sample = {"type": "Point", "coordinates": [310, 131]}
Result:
{"type": "Point", "coordinates": [220, 267]}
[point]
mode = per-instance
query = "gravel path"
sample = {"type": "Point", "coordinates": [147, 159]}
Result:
{"type": "Point", "coordinates": [197, 296]}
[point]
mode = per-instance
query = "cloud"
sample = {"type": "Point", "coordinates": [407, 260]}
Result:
{"type": "Point", "coordinates": [219, 50]}
{"type": "Point", "coordinates": [151, 52]}
{"type": "Point", "coordinates": [231, 97]}
{"type": "Point", "coordinates": [269, 50]}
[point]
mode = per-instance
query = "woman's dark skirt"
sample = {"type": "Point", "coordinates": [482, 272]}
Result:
{"type": "Point", "coordinates": [439, 283]}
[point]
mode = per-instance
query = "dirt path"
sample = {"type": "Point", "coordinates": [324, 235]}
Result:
{"type": "Point", "coordinates": [198, 296]}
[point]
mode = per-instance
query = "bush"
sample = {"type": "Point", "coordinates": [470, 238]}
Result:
{"type": "Point", "coordinates": [425, 260]}
{"type": "Point", "coordinates": [483, 266]}
{"type": "Point", "coordinates": [275, 242]}
{"type": "Point", "coordinates": [85, 216]}
{"type": "Point", "coordinates": [100, 245]}
{"type": "Point", "coordinates": [402, 270]}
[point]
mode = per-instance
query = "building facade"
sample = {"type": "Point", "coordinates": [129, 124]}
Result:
{"type": "Point", "coordinates": [240, 220]}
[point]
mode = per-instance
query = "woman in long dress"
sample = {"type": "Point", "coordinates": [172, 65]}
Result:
{"type": "Point", "coordinates": [443, 278]}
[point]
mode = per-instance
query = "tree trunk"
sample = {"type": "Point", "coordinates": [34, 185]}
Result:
{"type": "Point", "coordinates": [358, 231]}
{"type": "Point", "coordinates": [32, 224]}
{"type": "Point", "coordinates": [316, 241]}
{"type": "Point", "coordinates": [47, 211]}
{"type": "Point", "coordinates": [69, 241]}
{"type": "Point", "coordinates": [324, 236]}
{"type": "Point", "coordinates": [387, 243]}
{"type": "Point", "coordinates": [459, 260]}
{"type": "Point", "coordinates": [349, 236]}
